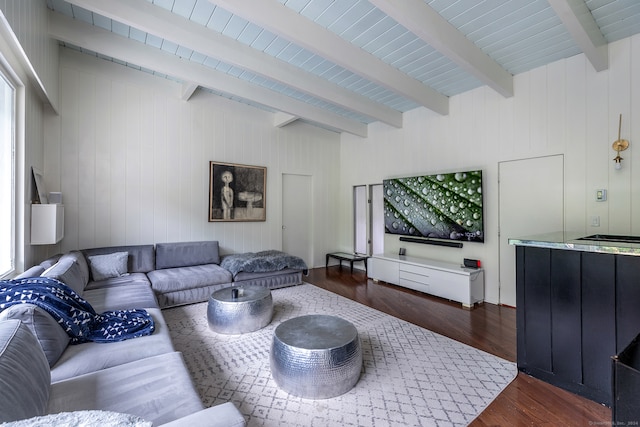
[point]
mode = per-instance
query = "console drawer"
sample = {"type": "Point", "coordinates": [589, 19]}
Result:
{"type": "Point", "coordinates": [429, 274]}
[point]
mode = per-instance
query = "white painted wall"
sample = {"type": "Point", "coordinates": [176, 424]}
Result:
{"type": "Point", "coordinates": [132, 161]}
{"type": "Point", "coordinates": [563, 108]}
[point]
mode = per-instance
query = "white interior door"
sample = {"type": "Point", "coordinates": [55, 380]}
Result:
{"type": "Point", "coordinates": [360, 219]}
{"type": "Point", "coordinates": [377, 219]}
{"type": "Point", "coordinates": [531, 199]}
{"type": "Point", "coordinates": [296, 216]}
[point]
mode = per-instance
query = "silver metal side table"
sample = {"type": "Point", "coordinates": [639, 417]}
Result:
{"type": "Point", "coordinates": [238, 310]}
{"type": "Point", "coordinates": [316, 356]}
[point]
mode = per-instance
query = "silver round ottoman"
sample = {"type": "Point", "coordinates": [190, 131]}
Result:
{"type": "Point", "coordinates": [238, 310]}
{"type": "Point", "coordinates": [316, 356]}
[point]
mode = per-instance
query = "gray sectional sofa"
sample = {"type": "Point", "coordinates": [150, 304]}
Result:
{"type": "Point", "coordinates": [144, 376]}
{"type": "Point", "coordinates": [178, 272]}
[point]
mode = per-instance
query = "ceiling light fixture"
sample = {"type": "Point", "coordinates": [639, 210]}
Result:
{"type": "Point", "coordinates": [619, 145]}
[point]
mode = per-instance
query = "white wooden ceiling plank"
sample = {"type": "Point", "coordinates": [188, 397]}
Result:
{"type": "Point", "coordinates": [82, 14]}
{"type": "Point", "coordinates": [331, 13]}
{"type": "Point", "coordinates": [123, 49]}
{"type": "Point", "coordinates": [314, 9]}
{"type": "Point", "coordinates": [297, 5]}
{"type": "Point", "coordinates": [235, 27]}
{"type": "Point", "coordinates": [264, 39]}
{"type": "Point", "coordinates": [288, 24]}
{"type": "Point", "coordinates": [350, 19]}
{"type": "Point", "coordinates": [426, 23]}
{"type": "Point", "coordinates": [162, 23]}
{"type": "Point", "coordinates": [166, 4]}
{"type": "Point", "coordinates": [184, 7]}
{"type": "Point", "coordinates": [249, 34]}
{"type": "Point", "coordinates": [102, 22]}
{"type": "Point", "coordinates": [202, 12]}
{"type": "Point", "coordinates": [219, 19]}
{"type": "Point", "coordinates": [579, 21]}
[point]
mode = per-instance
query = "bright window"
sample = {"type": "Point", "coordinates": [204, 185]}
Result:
{"type": "Point", "coordinates": [7, 176]}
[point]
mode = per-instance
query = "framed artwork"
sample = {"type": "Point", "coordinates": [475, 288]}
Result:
{"type": "Point", "coordinates": [38, 194]}
{"type": "Point", "coordinates": [237, 192]}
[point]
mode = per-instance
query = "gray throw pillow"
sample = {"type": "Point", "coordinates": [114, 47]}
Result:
{"type": "Point", "coordinates": [107, 266]}
{"type": "Point", "coordinates": [187, 254]}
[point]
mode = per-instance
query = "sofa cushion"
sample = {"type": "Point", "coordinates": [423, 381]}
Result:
{"type": "Point", "coordinates": [125, 297]}
{"type": "Point", "coordinates": [157, 389]}
{"type": "Point", "coordinates": [197, 276]}
{"type": "Point", "coordinates": [225, 414]}
{"type": "Point", "coordinates": [68, 271]}
{"type": "Point", "coordinates": [79, 258]}
{"type": "Point", "coordinates": [24, 373]}
{"type": "Point", "coordinates": [91, 356]}
{"type": "Point", "coordinates": [108, 265]}
{"type": "Point", "coordinates": [141, 257]}
{"type": "Point", "coordinates": [129, 279]}
{"type": "Point", "coordinates": [52, 337]}
{"type": "Point", "coordinates": [34, 271]}
{"type": "Point", "coordinates": [51, 260]}
{"type": "Point", "coordinates": [185, 254]}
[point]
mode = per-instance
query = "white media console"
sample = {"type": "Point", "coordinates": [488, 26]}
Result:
{"type": "Point", "coordinates": [442, 279]}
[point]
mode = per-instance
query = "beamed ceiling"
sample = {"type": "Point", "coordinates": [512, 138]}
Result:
{"type": "Point", "coordinates": [342, 64]}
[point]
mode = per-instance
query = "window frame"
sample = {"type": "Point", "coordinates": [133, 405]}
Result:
{"type": "Point", "coordinates": [7, 79]}
{"type": "Point", "coordinates": [8, 75]}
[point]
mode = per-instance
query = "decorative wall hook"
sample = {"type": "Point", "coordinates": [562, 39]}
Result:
{"type": "Point", "coordinates": [619, 145]}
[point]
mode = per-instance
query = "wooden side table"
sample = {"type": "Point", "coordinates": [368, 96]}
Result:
{"type": "Point", "coordinates": [343, 256]}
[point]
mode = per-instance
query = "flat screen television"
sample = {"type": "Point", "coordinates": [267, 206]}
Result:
{"type": "Point", "coordinates": [442, 206]}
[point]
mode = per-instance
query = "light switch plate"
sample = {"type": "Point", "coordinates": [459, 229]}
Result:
{"type": "Point", "coordinates": [601, 195]}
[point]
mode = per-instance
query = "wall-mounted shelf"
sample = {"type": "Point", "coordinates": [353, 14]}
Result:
{"type": "Point", "coordinates": [47, 224]}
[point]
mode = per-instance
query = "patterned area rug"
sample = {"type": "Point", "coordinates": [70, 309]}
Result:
{"type": "Point", "coordinates": [410, 377]}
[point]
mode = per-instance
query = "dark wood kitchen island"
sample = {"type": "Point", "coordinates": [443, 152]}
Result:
{"type": "Point", "coordinates": [578, 305]}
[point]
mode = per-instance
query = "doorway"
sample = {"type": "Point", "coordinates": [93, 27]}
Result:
{"type": "Point", "coordinates": [531, 201]}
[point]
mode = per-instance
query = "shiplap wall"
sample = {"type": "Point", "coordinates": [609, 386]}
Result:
{"type": "Point", "coordinates": [29, 22]}
{"type": "Point", "coordinates": [28, 25]}
{"type": "Point", "coordinates": [563, 108]}
{"type": "Point", "coordinates": [131, 159]}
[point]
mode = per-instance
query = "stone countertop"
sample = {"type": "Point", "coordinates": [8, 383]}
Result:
{"type": "Point", "coordinates": [578, 242]}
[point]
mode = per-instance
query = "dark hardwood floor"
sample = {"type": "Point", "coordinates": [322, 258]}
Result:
{"type": "Point", "coordinates": [492, 328]}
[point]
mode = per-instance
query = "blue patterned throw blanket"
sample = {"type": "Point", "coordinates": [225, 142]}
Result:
{"type": "Point", "coordinates": [74, 314]}
{"type": "Point", "coordinates": [262, 262]}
